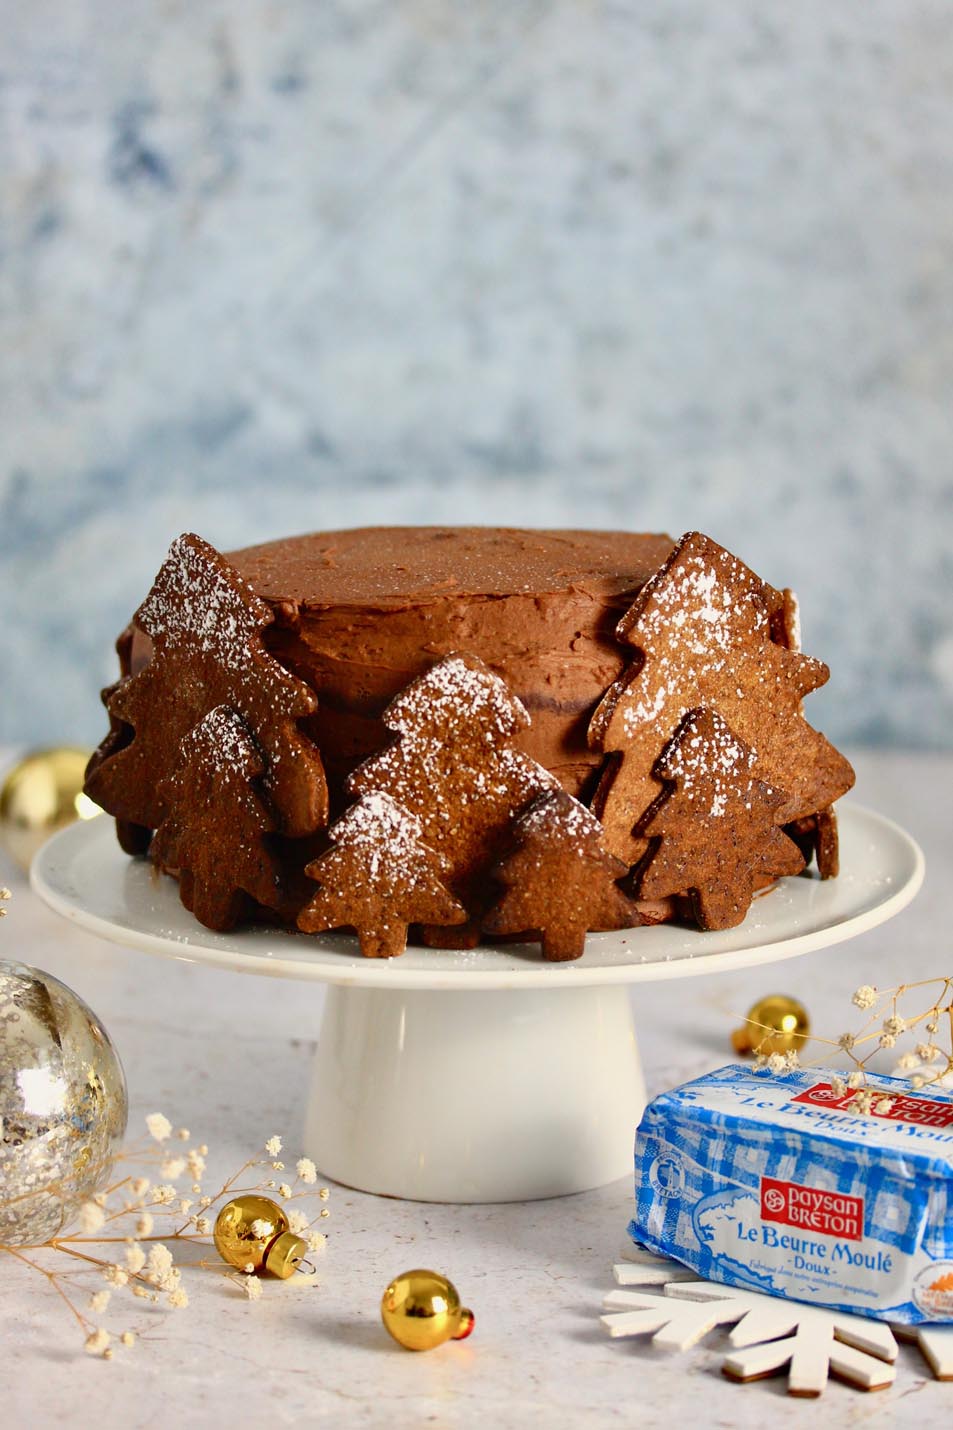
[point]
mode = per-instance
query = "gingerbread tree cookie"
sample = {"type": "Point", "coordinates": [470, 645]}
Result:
{"type": "Point", "coordinates": [702, 630]}
{"type": "Point", "coordinates": [205, 625]}
{"type": "Point", "coordinates": [378, 878]}
{"type": "Point", "coordinates": [560, 880]}
{"type": "Point", "coordinates": [715, 832]}
{"type": "Point", "coordinates": [454, 766]}
{"type": "Point", "coordinates": [213, 833]}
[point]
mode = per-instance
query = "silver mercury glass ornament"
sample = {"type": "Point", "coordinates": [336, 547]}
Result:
{"type": "Point", "coordinates": [63, 1105]}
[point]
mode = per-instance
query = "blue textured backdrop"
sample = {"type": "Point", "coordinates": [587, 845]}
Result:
{"type": "Point", "coordinates": [270, 266]}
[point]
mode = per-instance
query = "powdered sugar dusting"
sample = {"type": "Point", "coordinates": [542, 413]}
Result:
{"type": "Point", "coordinates": [703, 626]}
{"type": "Point", "coordinates": [692, 620]}
{"type": "Point", "coordinates": [560, 817]}
{"type": "Point", "coordinates": [380, 854]}
{"type": "Point", "coordinates": [707, 761]}
{"type": "Point", "coordinates": [457, 696]}
{"type": "Point", "coordinates": [647, 708]}
{"type": "Point", "coordinates": [222, 740]}
{"type": "Point", "coordinates": [205, 623]}
{"type": "Point", "coordinates": [202, 602]}
{"type": "Point", "coordinates": [451, 763]}
{"type": "Point", "coordinates": [700, 590]}
{"type": "Point", "coordinates": [381, 829]}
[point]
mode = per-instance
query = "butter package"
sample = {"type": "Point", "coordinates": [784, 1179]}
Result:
{"type": "Point", "coordinates": [774, 1184]}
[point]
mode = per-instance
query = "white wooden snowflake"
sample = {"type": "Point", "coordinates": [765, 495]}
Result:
{"type": "Point", "coordinates": [935, 1344]}
{"type": "Point", "coordinates": [767, 1333]}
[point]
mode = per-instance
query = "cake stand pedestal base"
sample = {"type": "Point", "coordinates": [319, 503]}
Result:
{"type": "Point", "coordinates": [475, 1096]}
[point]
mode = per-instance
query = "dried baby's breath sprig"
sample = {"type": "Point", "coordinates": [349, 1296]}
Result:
{"type": "Point", "coordinates": [914, 1019]}
{"type": "Point", "coordinates": [897, 1016]}
{"type": "Point", "coordinates": [778, 1062]}
{"type": "Point", "coordinates": [134, 1233]}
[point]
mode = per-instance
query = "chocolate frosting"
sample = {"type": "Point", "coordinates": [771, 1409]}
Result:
{"type": "Point", "coordinates": [360, 613]}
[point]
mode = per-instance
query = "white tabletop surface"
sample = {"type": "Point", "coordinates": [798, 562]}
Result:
{"type": "Point", "coordinates": [229, 1057]}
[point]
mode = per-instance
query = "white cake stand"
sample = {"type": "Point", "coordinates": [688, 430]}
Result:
{"type": "Point", "coordinates": [488, 1075]}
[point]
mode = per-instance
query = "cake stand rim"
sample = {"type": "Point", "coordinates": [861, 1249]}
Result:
{"type": "Point", "coordinates": [53, 879]}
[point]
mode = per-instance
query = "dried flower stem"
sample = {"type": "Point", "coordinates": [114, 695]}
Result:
{"type": "Point", "coordinates": [891, 1024]}
{"type": "Point", "coordinates": [53, 1278]}
{"type": "Point", "coordinates": [153, 1274]}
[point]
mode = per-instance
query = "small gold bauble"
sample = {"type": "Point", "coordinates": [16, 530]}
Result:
{"type": "Point", "coordinates": [41, 794]}
{"type": "Point", "coordinates": [270, 1246]}
{"type": "Point", "coordinates": [421, 1309]}
{"type": "Point", "coordinates": [776, 1024]}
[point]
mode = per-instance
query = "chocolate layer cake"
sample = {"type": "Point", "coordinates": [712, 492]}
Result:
{"type": "Point", "coordinates": [390, 714]}
{"type": "Point", "coordinates": [359, 614]}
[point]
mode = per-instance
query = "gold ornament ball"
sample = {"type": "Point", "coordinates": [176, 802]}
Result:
{"type": "Point", "coordinates": [421, 1309]}
{"type": "Point", "coordinates": [269, 1247]}
{"type": "Point", "coordinates": [41, 794]}
{"type": "Point", "coordinates": [776, 1024]}
{"type": "Point", "coordinates": [62, 1105]}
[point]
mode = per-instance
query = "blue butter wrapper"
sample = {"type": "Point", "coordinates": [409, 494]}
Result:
{"type": "Point", "coordinates": [772, 1183]}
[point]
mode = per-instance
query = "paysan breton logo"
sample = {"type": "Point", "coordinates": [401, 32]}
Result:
{"type": "Point", "coordinates": [812, 1209]}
